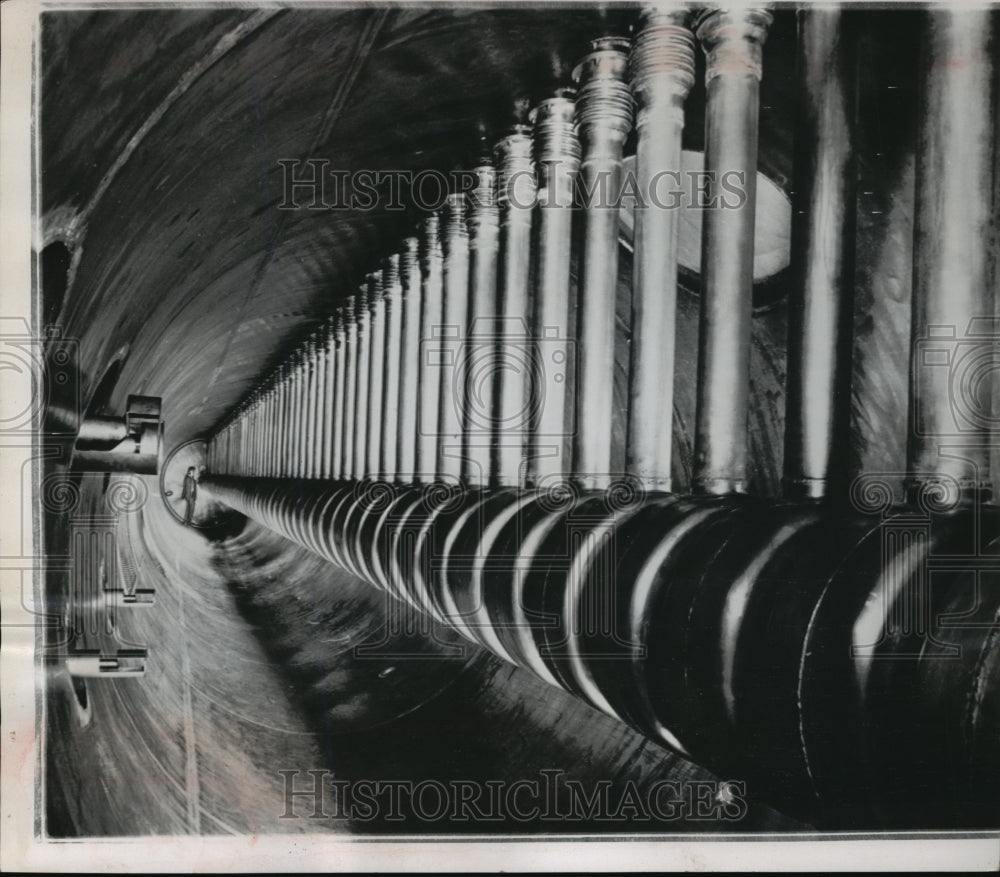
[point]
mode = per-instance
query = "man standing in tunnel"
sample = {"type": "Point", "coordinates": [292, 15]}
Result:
{"type": "Point", "coordinates": [189, 494]}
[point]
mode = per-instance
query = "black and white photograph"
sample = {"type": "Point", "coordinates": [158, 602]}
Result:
{"type": "Point", "coordinates": [499, 436]}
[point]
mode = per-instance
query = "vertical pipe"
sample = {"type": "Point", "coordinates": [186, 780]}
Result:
{"type": "Point", "coordinates": [557, 163]}
{"type": "Point", "coordinates": [285, 422]}
{"type": "Point", "coordinates": [733, 42]}
{"type": "Point", "coordinates": [276, 424]}
{"type": "Point", "coordinates": [350, 390]}
{"type": "Point", "coordinates": [516, 197]}
{"type": "Point", "coordinates": [339, 393]}
{"type": "Point", "coordinates": [822, 253]}
{"type": "Point", "coordinates": [301, 387]}
{"type": "Point", "coordinates": [248, 437]}
{"type": "Point", "coordinates": [312, 400]}
{"type": "Point", "coordinates": [307, 407]}
{"type": "Point", "coordinates": [326, 405]}
{"type": "Point", "coordinates": [298, 414]}
{"type": "Point", "coordinates": [603, 121]}
{"type": "Point", "coordinates": [262, 431]}
{"type": "Point", "coordinates": [247, 430]}
{"type": "Point", "coordinates": [409, 373]}
{"type": "Point", "coordinates": [376, 373]}
{"type": "Point", "coordinates": [290, 414]}
{"type": "Point", "coordinates": [455, 310]}
{"type": "Point", "coordinates": [430, 326]}
{"type": "Point", "coordinates": [269, 435]}
{"type": "Point", "coordinates": [393, 336]}
{"type": "Point", "coordinates": [479, 352]}
{"type": "Point", "coordinates": [322, 410]}
{"type": "Point", "coordinates": [662, 68]}
{"type": "Point", "coordinates": [953, 354]}
{"type": "Point", "coordinates": [256, 443]}
{"type": "Point", "coordinates": [362, 384]}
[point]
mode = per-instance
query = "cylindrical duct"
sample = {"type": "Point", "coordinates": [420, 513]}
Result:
{"type": "Point", "coordinates": [603, 121]}
{"type": "Point", "coordinates": [759, 638]}
{"type": "Point", "coordinates": [516, 197]}
{"type": "Point", "coordinates": [954, 342]}
{"type": "Point", "coordinates": [480, 349]}
{"type": "Point", "coordinates": [390, 391]}
{"type": "Point", "coordinates": [662, 72]}
{"type": "Point", "coordinates": [455, 248]}
{"type": "Point", "coordinates": [823, 253]}
{"type": "Point", "coordinates": [733, 42]}
{"type": "Point", "coordinates": [409, 374]}
{"type": "Point", "coordinates": [376, 373]}
{"type": "Point", "coordinates": [557, 163]}
{"type": "Point", "coordinates": [431, 302]}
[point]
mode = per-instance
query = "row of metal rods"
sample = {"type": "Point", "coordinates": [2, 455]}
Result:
{"type": "Point", "coordinates": [454, 360]}
{"type": "Point", "coordinates": [449, 364]}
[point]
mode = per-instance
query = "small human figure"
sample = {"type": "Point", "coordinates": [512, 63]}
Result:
{"type": "Point", "coordinates": [189, 494]}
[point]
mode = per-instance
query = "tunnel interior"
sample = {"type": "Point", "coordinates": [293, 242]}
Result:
{"type": "Point", "coordinates": [168, 140]}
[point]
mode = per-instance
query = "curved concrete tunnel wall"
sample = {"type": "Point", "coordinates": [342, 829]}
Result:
{"type": "Point", "coordinates": [163, 179]}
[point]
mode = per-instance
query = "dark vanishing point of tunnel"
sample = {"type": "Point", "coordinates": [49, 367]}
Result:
{"type": "Point", "coordinates": [299, 578]}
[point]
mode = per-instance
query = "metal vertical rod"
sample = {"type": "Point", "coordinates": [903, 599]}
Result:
{"type": "Point", "coordinates": [662, 74]}
{"type": "Point", "coordinates": [362, 384]}
{"type": "Point", "coordinates": [430, 325]}
{"type": "Point", "coordinates": [275, 452]}
{"type": "Point", "coordinates": [409, 373]}
{"type": "Point", "coordinates": [250, 428]}
{"type": "Point", "coordinates": [339, 393]}
{"type": "Point", "coordinates": [733, 42]}
{"type": "Point", "coordinates": [268, 469]}
{"type": "Point", "coordinates": [263, 431]}
{"type": "Point", "coordinates": [391, 290]}
{"type": "Point", "coordinates": [298, 415]}
{"type": "Point", "coordinates": [312, 400]}
{"type": "Point", "coordinates": [326, 399]}
{"type": "Point", "coordinates": [285, 425]}
{"type": "Point", "coordinates": [301, 386]}
{"type": "Point", "coordinates": [316, 403]}
{"type": "Point", "coordinates": [603, 121]}
{"type": "Point", "coordinates": [247, 427]}
{"type": "Point", "coordinates": [822, 253]}
{"type": "Point", "coordinates": [255, 441]}
{"type": "Point", "coordinates": [350, 390]}
{"type": "Point", "coordinates": [376, 373]}
{"type": "Point", "coordinates": [516, 196]}
{"type": "Point", "coordinates": [308, 408]}
{"type": "Point", "coordinates": [557, 163]}
{"type": "Point", "coordinates": [483, 219]}
{"type": "Point", "coordinates": [954, 354]}
{"type": "Point", "coordinates": [290, 390]}
{"type": "Point", "coordinates": [455, 312]}
{"type": "Point", "coordinates": [322, 410]}
{"type": "Point", "coordinates": [245, 433]}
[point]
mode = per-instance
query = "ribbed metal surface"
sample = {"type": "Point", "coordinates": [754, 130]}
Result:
{"type": "Point", "coordinates": [757, 638]}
